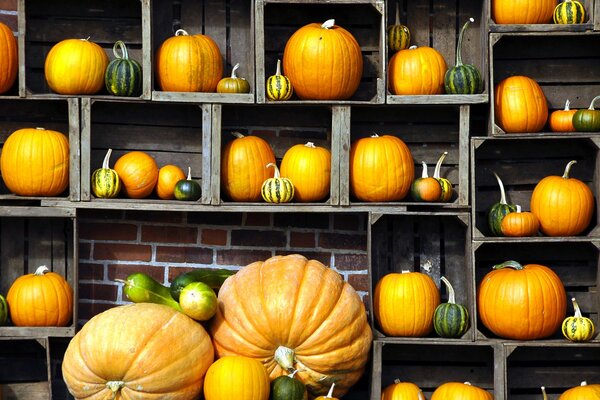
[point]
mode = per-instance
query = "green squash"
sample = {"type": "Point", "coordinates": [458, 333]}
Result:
{"type": "Point", "coordinates": [187, 189]}
{"type": "Point", "coordinates": [3, 310]}
{"type": "Point", "coordinates": [499, 210]}
{"type": "Point", "coordinates": [142, 288]}
{"type": "Point", "coordinates": [569, 12]}
{"type": "Point", "coordinates": [105, 180]}
{"type": "Point", "coordinates": [286, 387]}
{"type": "Point", "coordinates": [123, 76]}
{"type": "Point", "coordinates": [213, 277]}
{"type": "Point", "coordinates": [450, 320]}
{"type": "Point", "coordinates": [587, 120]}
{"type": "Point", "coordinates": [463, 78]}
{"type": "Point", "coordinates": [398, 34]}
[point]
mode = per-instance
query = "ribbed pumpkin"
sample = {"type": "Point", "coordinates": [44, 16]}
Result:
{"type": "Point", "coordinates": [279, 87]}
{"type": "Point", "coordinates": [520, 105]}
{"type": "Point", "coordinates": [417, 70]}
{"type": "Point", "coordinates": [168, 176]}
{"type": "Point", "coordinates": [521, 302]}
{"type": "Point", "coordinates": [123, 75]}
{"type": "Point", "coordinates": [381, 169]}
{"type": "Point", "coordinates": [582, 392]}
{"type": "Point", "coordinates": [562, 120]}
{"type": "Point", "coordinates": [188, 63]}
{"type": "Point", "coordinates": [445, 183]}
{"type": "Point", "coordinates": [9, 64]}
{"type": "Point", "coordinates": [243, 168]}
{"type": "Point", "coordinates": [499, 210]}
{"type": "Point", "coordinates": [398, 35]}
{"type": "Point", "coordinates": [286, 387]}
{"type": "Point", "coordinates": [277, 189]}
{"type": "Point", "coordinates": [460, 391]}
{"type": "Point", "coordinates": [519, 223]}
{"type": "Point", "coordinates": [569, 12]}
{"type": "Point", "coordinates": [426, 188]}
{"type": "Point", "coordinates": [233, 84]}
{"type": "Point", "coordinates": [323, 62]}
{"type": "Point", "coordinates": [236, 377]}
{"type": "Point", "coordinates": [463, 78]}
{"type": "Point", "coordinates": [35, 162]}
{"type": "Point", "coordinates": [563, 205]}
{"type": "Point", "coordinates": [450, 320]}
{"type": "Point", "coordinates": [402, 391]}
{"type": "Point", "coordinates": [105, 180]}
{"type": "Point", "coordinates": [578, 328]}
{"type": "Point", "coordinates": [523, 11]}
{"type": "Point", "coordinates": [128, 352]}
{"type": "Point", "coordinates": [138, 173]}
{"type": "Point", "coordinates": [404, 304]}
{"type": "Point", "coordinates": [309, 168]}
{"type": "Point", "coordinates": [292, 313]}
{"type": "Point", "coordinates": [76, 67]}
{"type": "Point", "coordinates": [587, 119]}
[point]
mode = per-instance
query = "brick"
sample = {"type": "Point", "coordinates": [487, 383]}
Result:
{"type": "Point", "coordinates": [301, 220]}
{"type": "Point", "coordinates": [241, 257]}
{"type": "Point", "coordinates": [257, 219]}
{"type": "Point", "coordinates": [242, 237]}
{"type": "Point", "coordinates": [85, 251]}
{"type": "Point", "coordinates": [303, 239]}
{"type": "Point", "coordinates": [169, 234]}
{"type": "Point", "coordinates": [360, 282]}
{"type": "Point", "coordinates": [122, 271]}
{"type": "Point", "coordinates": [122, 252]}
{"type": "Point", "coordinates": [323, 257]}
{"type": "Point", "coordinates": [107, 231]}
{"type": "Point", "coordinates": [213, 237]}
{"type": "Point", "coordinates": [184, 254]}
{"type": "Point", "coordinates": [98, 291]}
{"type": "Point", "coordinates": [156, 216]}
{"type": "Point", "coordinates": [89, 271]}
{"type": "Point", "coordinates": [8, 5]}
{"type": "Point", "coordinates": [348, 222]}
{"type": "Point", "coordinates": [9, 20]}
{"type": "Point", "coordinates": [351, 262]}
{"type": "Point", "coordinates": [216, 218]}
{"type": "Point", "coordinates": [329, 240]}
{"type": "Point", "coordinates": [87, 310]}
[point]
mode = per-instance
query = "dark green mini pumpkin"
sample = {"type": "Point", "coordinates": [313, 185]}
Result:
{"type": "Point", "coordinates": [105, 180]}
{"type": "Point", "coordinates": [123, 75]}
{"type": "Point", "coordinates": [569, 12]}
{"type": "Point", "coordinates": [587, 119]}
{"type": "Point", "coordinates": [187, 189]}
{"type": "Point", "coordinates": [499, 210]}
{"type": "Point", "coordinates": [463, 78]}
{"type": "Point", "coordinates": [286, 387]}
{"type": "Point", "coordinates": [450, 320]}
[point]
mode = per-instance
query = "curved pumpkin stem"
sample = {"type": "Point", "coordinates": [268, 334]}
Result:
{"type": "Point", "coordinates": [567, 105]}
{"type": "Point", "coordinates": [41, 270]}
{"type": "Point", "coordinates": [397, 13]}
{"type": "Point", "coordinates": [189, 175]}
{"type": "Point", "coordinates": [328, 24]}
{"type": "Point", "coordinates": [577, 309]}
{"type": "Point", "coordinates": [544, 393]}
{"type": "Point", "coordinates": [276, 176]}
{"type": "Point", "coordinates": [424, 173]}
{"type": "Point", "coordinates": [235, 67]}
{"type": "Point", "coordinates": [237, 134]}
{"type": "Point", "coordinates": [120, 45]}
{"type": "Point", "coordinates": [330, 393]}
{"type": "Point", "coordinates": [181, 32]}
{"type": "Point", "coordinates": [509, 264]}
{"type": "Point", "coordinates": [583, 383]}
{"type": "Point", "coordinates": [438, 165]}
{"type": "Point", "coordinates": [451, 295]}
{"type": "Point", "coordinates": [420, 395]}
{"type": "Point", "coordinates": [278, 70]}
{"type": "Point", "coordinates": [502, 192]}
{"type": "Point", "coordinates": [593, 102]}
{"type": "Point", "coordinates": [310, 145]}
{"type": "Point", "coordinates": [460, 41]}
{"type": "Point", "coordinates": [285, 357]}
{"type": "Point", "coordinates": [105, 163]}
{"type": "Point", "coordinates": [568, 169]}
{"type": "Point", "coordinates": [518, 208]}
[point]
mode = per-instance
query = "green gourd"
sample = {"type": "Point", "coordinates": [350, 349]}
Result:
{"type": "Point", "coordinates": [286, 387]}
{"type": "Point", "coordinates": [123, 76]}
{"type": "Point", "coordinates": [213, 277]}
{"type": "Point", "coordinates": [3, 310]}
{"type": "Point", "coordinates": [499, 210]}
{"type": "Point", "coordinates": [463, 78]}
{"type": "Point", "coordinates": [450, 320]}
{"type": "Point", "coordinates": [142, 288]}
{"type": "Point", "coordinates": [587, 119]}
{"type": "Point", "coordinates": [105, 180]}
{"type": "Point", "coordinates": [187, 189]}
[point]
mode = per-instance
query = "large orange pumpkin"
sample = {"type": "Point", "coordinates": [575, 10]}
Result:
{"type": "Point", "coordinates": [138, 351]}
{"type": "Point", "coordinates": [523, 11]}
{"type": "Point", "coordinates": [582, 392]}
{"type": "Point", "coordinates": [522, 302]}
{"type": "Point", "coordinates": [9, 64]}
{"type": "Point", "coordinates": [35, 162]}
{"type": "Point", "coordinates": [520, 105]}
{"type": "Point", "coordinates": [309, 168]}
{"type": "Point", "coordinates": [138, 173]}
{"type": "Point", "coordinates": [189, 63]}
{"type": "Point", "coordinates": [417, 70]}
{"type": "Point", "coordinates": [323, 62]}
{"type": "Point", "coordinates": [460, 391]}
{"type": "Point", "coordinates": [236, 377]}
{"type": "Point", "coordinates": [292, 313]}
{"type": "Point", "coordinates": [564, 206]}
{"type": "Point", "coordinates": [381, 169]}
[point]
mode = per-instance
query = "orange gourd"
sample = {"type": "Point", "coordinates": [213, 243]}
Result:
{"type": "Point", "coordinates": [129, 352]}
{"type": "Point", "coordinates": [519, 223]}
{"type": "Point", "coordinates": [417, 70]}
{"type": "Point", "coordinates": [426, 188]}
{"type": "Point", "coordinates": [168, 176]}
{"type": "Point", "coordinates": [294, 314]}
{"type": "Point", "coordinates": [138, 173]}
{"type": "Point", "coordinates": [35, 162]}
{"type": "Point", "coordinates": [236, 377]}
{"type": "Point", "coordinates": [323, 62]}
{"type": "Point", "coordinates": [43, 298]}
{"type": "Point", "coordinates": [523, 11]}
{"type": "Point", "coordinates": [404, 304]}
{"type": "Point", "coordinates": [460, 391]}
{"type": "Point", "coordinates": [9, 64]}
{"type": "Point", "coordinates": [381, 169]}
{"type": "Point", "coordinates": [402, 391]}
{"type": "Point", "coordinates": [521, 302]}
{"type": "Point", "coordinates": [582, 392]}
{"type": "Point", "coordinates": [309, 168]}
{"type": "Point", "coordinates": [562, 120]}
{"type": "Point", "coordinates": [520, 105]}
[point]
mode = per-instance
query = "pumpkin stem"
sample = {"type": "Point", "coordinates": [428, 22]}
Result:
{"type": "Point", "coordinates": [460, 40]}
{"type": "Point", "coordinates": [189, 176]}
{"type": "Point", "coordinates": [397, 13]}
{"type": "Point", "coordinates": [328, 24]}
{"type": "Point", "coordinates": [114, 387]}
{"type": "Point", "coordinates": [509, 264]}
{"type": "Point", "coordinates": [451, 296]}
{"type": "Point", "coordinates": [502, 192]}
{"type": "Point", "coordinates": [397, 381]}
{"type": "Point", "coordinates": [567, 105]}
{"type": "Point", "coordinates": [414, 46]}
{"type": "Point", "coordinates": [518, 207]}
{"type": "Point", "coordinates": [285, 358]}
{"type": "Point", "coordinates": [180, 32]}
{"type": "Point", "coordinates": [544, 393]}
{"type": "Point", "coordinates": [405, 271]}
{"type": "Point", "coordinates": [583, 383]}
{"type": "Point", "coordinates": [424, 173]}
{"type": "Point", "coordinates": [235, 67]}
{"type": "Point", "coordinates": [276, 176]}
{"type": "Point", "coordinates": [278, 70]}
{"type": "Point", "coordinates": [374, 135]}
{"type": "Point", "coordinates": [293, 373]}
{"type": "Point", "coordinates": [41, 270]}
{"type": "Point", "coordinates": [106, 159]}
{"type": "Point", "coordinates": [237, 134]}
{"type": "Point", "coordinates": [120, 45]}
{"type": "Point", "coordinates": [438, 165]}
{"type": "Point", "coordinates": [568, 169]}
{"type": "Point", "coordinates": [593, 102]}
{"type": "Point", "coordinates": [310, 144]}
{"type": "Point", "coordinates": [420, 395]}
{"type": "Point", "coordinates": [330, 393]}
{"type": "Point", "coordinates": [576, 307]}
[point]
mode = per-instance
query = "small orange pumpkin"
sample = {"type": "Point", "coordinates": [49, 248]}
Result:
{"type": "Point", "coordinates": [459, 391]}
{"type": "Point", "coordinates": [329, 394]}
{"type": "Point", "coordinates": [9, 64]}
{"type": "Point", "coordinates": [582, 392]}
{"type": "Point", "coordinates": [236, 377]}
{"type": "Point", "coordinates": [519, 223]}
{"type": "Point", "coordinates": [168, 176]}
{"type": "Point", "coordinates": [426, 188]}
{"type": "Point", "coordinates": [417, 70]}
{"type": "Point", "coordinates": [562, 120]}
{"type": "Point", "coordinates": [138, 173]}
{"type": "Point", "coordinates": [309, 168]}
{"type": "Point", "coordinates": [402, 391]}
{"type": "Point", "coordinates": [520, 105]}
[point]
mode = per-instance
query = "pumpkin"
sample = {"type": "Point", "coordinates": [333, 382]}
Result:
{"type": "Point", "coordinates": [520, 105]}
{"type": "Point", "coordinates": [521, 302]}
{"type": "Point", "coordinates": [277, 189]}
{"type": "Point", "coordinates": [587, 120]}
{"type": "Point", "coordinates": [323, 62]}
{"type": "Point", "coordinates": [405, 303]}
{"type": "Point", "coordinates": [426, 188]}
{"type": "Point", "coordinates": [127, 352]}
{"type": "Point", "coordinates": [578, 328]}
{"type": "Point", "coordinates": [123, 76]}
{"type": "Point", "coordinates": [381, 169]}
{"type": "Point", "coordinates": [416, 70]}
{"type": "Point", "coordinates": [188, 63]}
{"type": "Point", "coordinates": [138, 173]}
{"type": "Point", "coordinates": [402, 391]}
{"type": "Point", "coordinates": [562, 120]}
{"type": "Point", "coordinates": [499, 210]}
{"type": "Point", "coordinates": [569, 12]}
{"type": "Point", "coordinates": [279, 86]}
{"type": "Point", "coordinates": [43, 298]}
{"type": "Point", "coordinates": [168, 176]}
{"type": "Point", "coordinates": [3, 310]}
{"type": "Point", "coordinates": [582, 392]}
{"type": "Point", "coordinates": [523, 11]}
{"type": "Point", "coordinates": [105, 180]}
{"type": "Point", "coordinates": [233, 84]}
{"type": "Point", "coordinates": [9, 64]}
{"type": "Point", "coordinates": [236, 377]}
{"type": "Point", "coordinates": [563, 205]}
{"type": "Point", "coordinates": [35, 162]}
{"type": "Point", "coordinates": [243, 167]}
{"type": "Point", "coordinates": [76, 67]}
{"type": "Point", "coordinates": [450, 320]}
{"type": "Point", "coordinates": [398, 35]}
{"type": "Point", "coordinates": [309, 168]}
{"type": "Point", "coordinates": [329, 394]}
{"type": "Point", "coordinates": [460, 391]}
{"type": "Point", "coordinates": [286, 387]}
{"type": "Point", "coordinates": [463, 78]}
{"type": "Point", "coordinates": [445, 184]}
{"type": "Point", "coordinates": [519, 223]}
{"type": "Point", "coordinates": [296, 315]}
{"type": "Point", "coordinates": [187, 189]}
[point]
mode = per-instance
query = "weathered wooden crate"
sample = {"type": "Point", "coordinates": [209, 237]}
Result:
{"type": "Point", "coordinates": [42, 24]}
{"type": "Point", "coordinates": [35, 236]}
{"type": "Point", "coordinates": [428, 131]}
{"type": "Point", "coordinates": [24, 369]}
{"type": "Point", "coordinates": [437, 24]}
{"type": "Point", "coordinates": [551, 61]}
{"type": "Point", "coordinates": [521, 164]}
{"type": "Point", "coordinates": [171, 133]}
{"type": "Point", "coordinates": [230, 23]}
{"type": "Point", "coordinates": [61, 115]}
{"type": "Point", "coordinates": [435, 244]}
{"type": "Point", "coordinates": [277, 20]}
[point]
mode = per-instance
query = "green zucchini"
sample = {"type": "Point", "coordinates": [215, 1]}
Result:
{"type": "Point", "coordinates": [142, 288]}
{"type": "Point", "coordinates": [211, 276]}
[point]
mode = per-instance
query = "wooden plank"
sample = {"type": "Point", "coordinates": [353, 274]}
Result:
{"type": "Point", "coordinates": [12, 248]}
{"type": "Point", "coordinates": [241, 40]}
{"type": "Point", "coordinates": [215, 175]}
{"type": "Point", "coordinates": [207, 152]}
{"type": "Point", "coordinates": [444, 32]}
{"type": "Point", "coordinates": [74, 155]}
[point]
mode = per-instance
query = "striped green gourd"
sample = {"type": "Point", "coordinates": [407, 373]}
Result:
{"type": "Point", "coordinates": [463, 78]}
{"type": "Point", "coordinates": [105, 180]}
{"type": "Point", "coordinates": [279, 87]}
{"type": "Point", "coordinates": [444, 183]}
{"type": "Point", "coordinates": [499, 210]}
{"type": "Point", "coordinates": [3, 310]}
{"type": "Point", "coordinates": [123, 75]}
{"type": "Point", "coordinates": [398, 34]}
{"type": "Point", "coordinates": [450, 320]}
{"type": "Point", "coordinates": [286, 387]}
{"type": "Point", "coordinates": [277, 189]}
{"type": "Point", "coordinates": [569, 12]}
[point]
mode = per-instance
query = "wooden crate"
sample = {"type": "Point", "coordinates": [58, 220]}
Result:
{"type": "Point", "coordinates": [42, 24]}
{"type": "Point", "coordinates": [521, 164]}
{"type": "Point", "coordinates": [551, 60]}
{"type": "Point", "coordinates": [277, 20]}
{"type": "Point", "coordinates": [434, 244]}
{"type": "Point", "coordinates": [428, 131]}
{"type": "Point", "coordinates": [171, 133]}
{"type": "Point", "coordinates": [24, 369]}
{"type": "Point", "coordinates": [61, 115]}
{"type": "Point", "coordinates": [230, 23]}
{"type": "Point", "coordinates": [437, 24]}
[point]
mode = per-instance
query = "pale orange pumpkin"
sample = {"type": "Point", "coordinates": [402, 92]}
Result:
{"type": "Point", "coordinates": [168, 176]}
{"type": "Point", "coordinates": [519, 223]}
{"type": "Point", "coordinates": [402, 391]}
{"type": "Point", "coordinates": [236, 377]}
{"type": "Point", "coordinates": [562, 120]}
{"type": "Point", "coordinates": [523, 11]}
{"type": "Point", "coordinates": [417, 70]}
{"type": "Point", "coordinates": [582, 392]}
{"type": "Point", "coordinates": [294, 314]}
{"type": "Point", "coordinates": [460, 391]}
{"type": "Point", "coordinates": [520, 105]}
{"type": "Point", "coordinates": [129, 352]}
{"type": "Point", "coordinates": [309, 168]}
{"type": "Point", "coordinates": [138, 173]}
{"type": "Point", "coordinates": [9, 64]}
